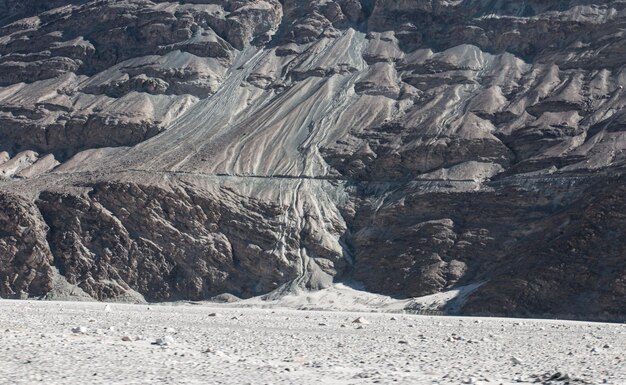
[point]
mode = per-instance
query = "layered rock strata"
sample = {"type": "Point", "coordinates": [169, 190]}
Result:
{"type": "Point", "coordinates": [181, 150]}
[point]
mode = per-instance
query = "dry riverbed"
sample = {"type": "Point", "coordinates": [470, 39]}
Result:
{"type": "Point", "coordinates": [96, 343]}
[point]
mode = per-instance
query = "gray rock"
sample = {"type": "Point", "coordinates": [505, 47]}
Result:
{"type": "Point", "coordinates": [164, 341]}
{"type": "Point", "coordinates": [179, 152]}
{"type": "Point", "coordinates": [80, 330]}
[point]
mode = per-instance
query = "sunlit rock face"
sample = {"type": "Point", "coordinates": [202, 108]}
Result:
{"type": "Point", "coordinates": [179, 150]}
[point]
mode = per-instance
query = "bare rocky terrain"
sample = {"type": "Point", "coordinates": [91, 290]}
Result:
{"type": "Point", "coordinates": [94, 343]}
{"type": "Point", "coordinates": [159, 151]}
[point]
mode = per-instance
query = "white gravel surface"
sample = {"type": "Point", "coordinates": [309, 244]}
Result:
{"type": "Point", "coordinates": [89, 343]}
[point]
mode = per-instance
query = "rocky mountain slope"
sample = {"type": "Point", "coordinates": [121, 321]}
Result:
{"type": "Point", "coordinates": [179, 150]}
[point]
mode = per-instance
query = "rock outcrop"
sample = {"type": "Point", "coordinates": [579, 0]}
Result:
{"type": "Point", "coordinates": [24, 253]}
{"type": "Point", "coordinates": [181, 150]}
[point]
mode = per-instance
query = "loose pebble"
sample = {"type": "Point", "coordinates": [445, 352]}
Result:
{"type": "Point", "coordinates": [179, 344]}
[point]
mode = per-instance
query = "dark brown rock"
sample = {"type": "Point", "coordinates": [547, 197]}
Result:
{"type": "Point", "coordinates": [24, 253]}
{"type": "Point", "coordinates": [176, 244]}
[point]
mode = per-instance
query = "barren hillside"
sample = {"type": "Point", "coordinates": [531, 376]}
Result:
{"type": "Point", "coordinates": [184, 149]}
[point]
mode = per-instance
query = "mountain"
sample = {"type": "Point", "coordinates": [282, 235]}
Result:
{"type": "Point", "coordinates": [184, 149]}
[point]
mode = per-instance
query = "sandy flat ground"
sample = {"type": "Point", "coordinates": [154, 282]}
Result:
{"type": "Point", "coordinates": [281, 346]}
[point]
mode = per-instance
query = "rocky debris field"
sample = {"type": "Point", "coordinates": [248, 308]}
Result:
{"type": "Point", "coordinates": [97, 343]}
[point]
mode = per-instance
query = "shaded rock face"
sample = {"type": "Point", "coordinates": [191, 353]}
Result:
{"type": "Point", "coordinates": [573, 264]}
{"type": "Point", "coordinates": [24, 253]}
{"type": "Point", "coordinates": [188, 149]}
{"type": "Point", "coordinates": [554, 250]}
{"type": "Point", "coordinates": [171, 244]}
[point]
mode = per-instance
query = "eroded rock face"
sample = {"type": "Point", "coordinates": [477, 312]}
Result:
{"type": "Point", "coordinates": [166, 244]}
{"type": "Point", "coordinates": [547, 250]}
{"type": "Point", "coordinates": [24, 253]}
{"type": "Point", "coordinates": [187, 149]}
{"type": "Point", "coordinates": [572, 264]}
{"type": "Point", "coordinates": [178, 243]}
{"type": "Point", "coordinates": [78, 75]}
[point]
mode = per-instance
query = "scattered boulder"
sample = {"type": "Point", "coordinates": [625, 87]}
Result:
{"type": "Point", "coordinates": [361, 321]}
{"type": "Point", "coordinates": [80, 330]}
{"type": "Point", "coordinates": [164, 341]}
{"type": "Point", "coordinates": [225, 298]}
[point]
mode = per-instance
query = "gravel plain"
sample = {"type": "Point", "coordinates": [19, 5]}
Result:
{"type": "Point", "coordinates": [97, 343]}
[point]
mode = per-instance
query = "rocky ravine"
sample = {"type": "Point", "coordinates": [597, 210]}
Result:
{"type": "Point", "coordinates": [179, 150]}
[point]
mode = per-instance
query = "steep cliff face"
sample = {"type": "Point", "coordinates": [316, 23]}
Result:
{"type": "Point", "coordinates": [186, 149]}
{"type": "Point", "coordinates": [24, 253]}
{"type": "Point", "coordinates": [184, 242]}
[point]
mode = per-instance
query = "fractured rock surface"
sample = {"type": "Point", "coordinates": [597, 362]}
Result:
{"type": "Point", "coordinates": [189, 149]}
